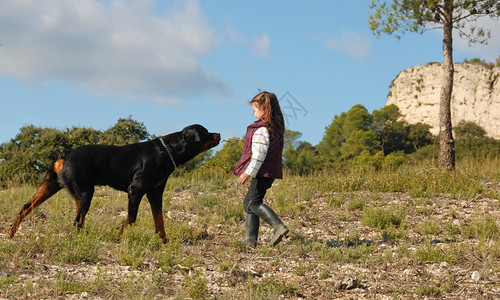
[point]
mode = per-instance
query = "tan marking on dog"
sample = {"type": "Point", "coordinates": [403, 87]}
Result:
{"type": "Point", "coordinates": [159, 183]}
{"type": "Point", "coordinates": [207, 145]}
{"type": "Point", "coordinates": [58, 165]}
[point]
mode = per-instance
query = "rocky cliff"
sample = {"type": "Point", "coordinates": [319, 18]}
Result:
{"type": "Point", "coordinates": [476, 95]}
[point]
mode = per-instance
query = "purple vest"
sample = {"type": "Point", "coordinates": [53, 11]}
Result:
{"type": "Point", "coordinates": [272, 165]}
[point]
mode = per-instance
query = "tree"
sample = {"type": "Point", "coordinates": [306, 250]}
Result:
{"type": "Point", "coordinates": [291, 139]}
{"type": "Point", "coordinates": [298, 156]}
{"type": "Point", "coordinates": [302, 159]}
{"type": "Point", "coordinates": [348, 135]}
{"type": "Point", "coordinates": [397, 135]}
{"type": "Point", "coordinates": [472, 141]}
{"type": "Point", "coordinates": [329, 146]}
{"type": "Point", "coordinates": [125, 131]}
{"type": "Point", "coordinates": [230, 152]}
{"type": "Point", "coordinates": [30, 153]}
{"type": "Point", "coordinates": [359, 141]}
{"type": "Point", "coordinates": [419, 135]}
{"type": "Point", "coordinates": [391, 132]}
{"type": "Point", "coordinates": [469, 130]}
{"type": "Point", "coordinates": [78, 136]}
{"type": "Point", "coordinates": [421, 15]}
{"type": "Point", "coordinates": [357, 118]}
{"type": "Point", "coordinates": [197, 161]}
{"type": "Point", "coordinates": [34, 149]}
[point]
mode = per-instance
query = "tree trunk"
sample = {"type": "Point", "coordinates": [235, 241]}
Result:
{"type": "Point", "coordinates": [446, 142]}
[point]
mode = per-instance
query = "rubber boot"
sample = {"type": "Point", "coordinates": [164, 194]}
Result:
{"type": "Point", "coordinates": [271, 218]}
{"type": "Point", "coordinates": [252, 227]}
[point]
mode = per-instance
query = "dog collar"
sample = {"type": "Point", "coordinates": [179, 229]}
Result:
{"type": "Point", "coordinates": [169, 153]}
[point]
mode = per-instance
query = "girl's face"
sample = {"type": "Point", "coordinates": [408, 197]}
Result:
{"type": "Point", "coordinates": [258, 111]}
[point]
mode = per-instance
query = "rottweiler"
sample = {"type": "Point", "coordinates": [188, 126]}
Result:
{"type": "Point", "coordinates": [138, 169]}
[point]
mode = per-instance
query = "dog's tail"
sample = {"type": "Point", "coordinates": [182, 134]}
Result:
{"type": "Point", "coordinates": [47, 188]}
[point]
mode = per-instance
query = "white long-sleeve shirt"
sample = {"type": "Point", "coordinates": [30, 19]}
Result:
{"type": "Point", "coordinates": [260, 146]}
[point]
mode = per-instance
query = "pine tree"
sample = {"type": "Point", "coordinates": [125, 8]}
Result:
{"type": "Point", "coordinates": [389, 17]}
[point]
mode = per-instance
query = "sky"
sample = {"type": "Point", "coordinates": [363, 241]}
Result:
{"type": "Point", "coordinates": [169, 64]}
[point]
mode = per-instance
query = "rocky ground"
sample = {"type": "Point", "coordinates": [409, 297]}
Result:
{"type": "Point", "coordinates": [329, 254]}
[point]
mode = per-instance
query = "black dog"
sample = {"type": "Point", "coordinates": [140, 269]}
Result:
{"type": "Point", "coordinates": [138, 169]}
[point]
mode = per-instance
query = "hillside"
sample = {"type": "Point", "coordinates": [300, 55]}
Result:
{"type": "Point", "coordinates": [414, 232]}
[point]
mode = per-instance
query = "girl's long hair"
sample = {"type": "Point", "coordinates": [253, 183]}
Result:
{"type": "Point", "coordinates": [272, 110]}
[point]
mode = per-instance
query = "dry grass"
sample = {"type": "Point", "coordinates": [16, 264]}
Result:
{"type": "Point", "coordinates": [354, 234]}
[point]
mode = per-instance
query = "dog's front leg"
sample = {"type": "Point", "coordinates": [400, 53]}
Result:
{"type": "Point", "coordinates": [155, 201]}
{"type": "Point", "coordinates": [134, 199]}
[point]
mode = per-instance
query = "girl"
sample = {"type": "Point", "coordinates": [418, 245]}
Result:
{"type": "Point", "coordinates": [261, 159]}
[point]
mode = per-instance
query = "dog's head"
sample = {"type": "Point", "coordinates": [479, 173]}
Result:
{"type": "Point", "coordinates": [198, 139]}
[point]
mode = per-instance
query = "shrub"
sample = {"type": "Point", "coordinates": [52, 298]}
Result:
{"type": "Point", "coordinates": [382, 218]}
{"type": "Point", "coordinates": [195, 286]}
{"type": "Point", "coordinates": [430, 252]}
{"type": "Point", "coordinates": [429, 227]}
{"type": "Point", "coordinates": [483, 228]}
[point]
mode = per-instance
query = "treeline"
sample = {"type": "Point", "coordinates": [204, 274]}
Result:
{"type": "Point", "coordinates": [377, 140]}
{"type": "Point", "coordinates": [483, 62]}
{"type": "Point", "coordinates": [354, 138]}
{"type": "Point", "coordinates": [34, 149]}
{"type": "Point", "coordinates": [31, 152]}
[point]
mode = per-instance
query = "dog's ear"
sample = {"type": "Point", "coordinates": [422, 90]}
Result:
{"type": "Point", "coordinates": [191, 135]}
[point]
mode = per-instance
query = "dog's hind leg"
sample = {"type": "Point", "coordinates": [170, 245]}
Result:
{"type": "Point", "coordinates": [47, 188]}
{"type": "Point", "coordinates": [155, 200]}
{"type": "Point", "coordinates": [83, 198]}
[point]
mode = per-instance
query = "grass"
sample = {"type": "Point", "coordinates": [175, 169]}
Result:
{"type": "Point", "coordinates": [268, 289]}
{"type": "Point", "coordinates": [429, 227]}
{"type": "Point", "coordinates": [195, 286]}
{"type": "Point", "coordinates": [482, 227]}
{"type": "Point", "coordinates": [383, 218]}
{"type": "Point", "coordinates": [385, 223]}
{"type": "Point", "coordinates": [430, 253]}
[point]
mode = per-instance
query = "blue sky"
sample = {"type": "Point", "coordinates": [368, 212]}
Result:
{"type": "Point", "coordinates": [169, 64]}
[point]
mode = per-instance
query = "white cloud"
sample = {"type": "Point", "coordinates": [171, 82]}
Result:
{"type": "Point", "coordinates": [235, 36]}
{"type": "Point", "coordinates": [490, 51]}
{"type": "Point", "coordinates": [355, 45]}
{"type": "Point", "coordinates": [258, 46]}
{"type": "Point", "coordinates": [121, 48]}
{"type": "Point", "coordinates": [261, 46]}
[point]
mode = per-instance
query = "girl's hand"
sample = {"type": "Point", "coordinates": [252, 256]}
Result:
{"type": "Point", "coordinates": [243, 178]}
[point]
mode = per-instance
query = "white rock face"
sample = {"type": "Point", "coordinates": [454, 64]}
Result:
{"type": "Point", "coordinates": [476, 96]}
